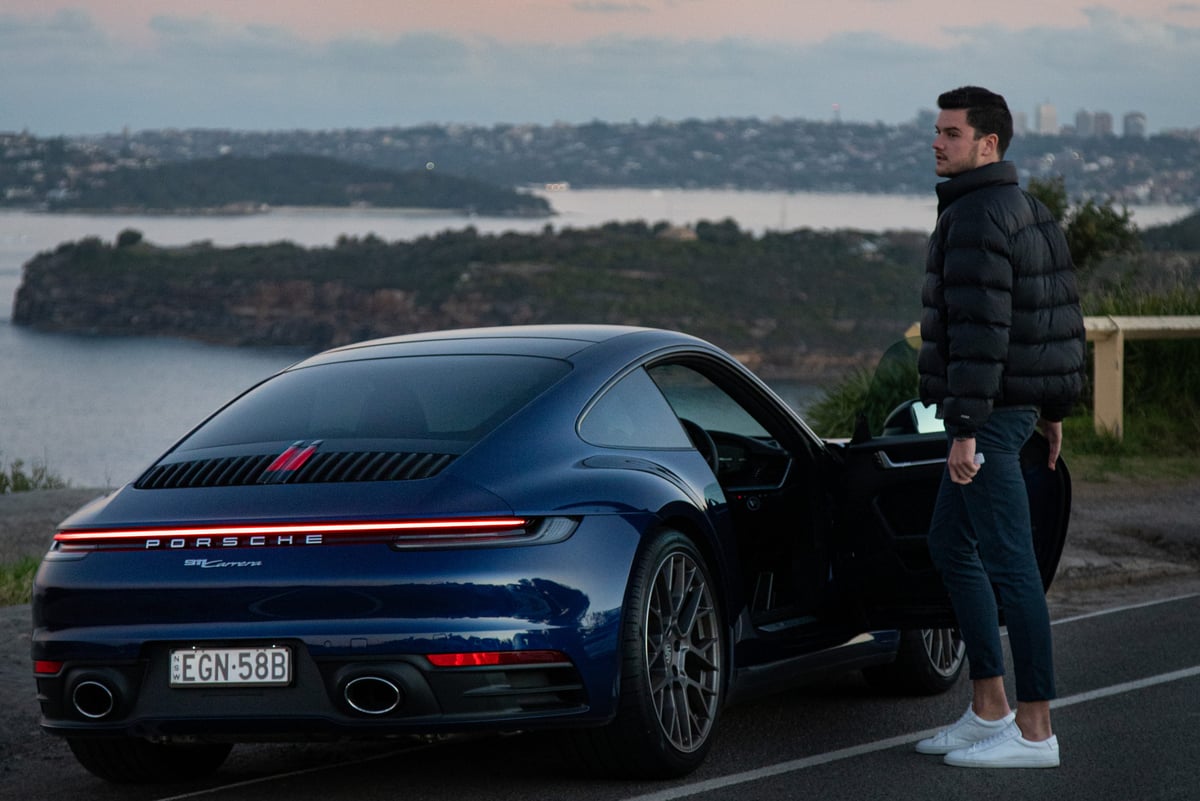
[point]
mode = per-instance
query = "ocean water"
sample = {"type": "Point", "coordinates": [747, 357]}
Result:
{"type": "Point", "coordinates": [97, 410]}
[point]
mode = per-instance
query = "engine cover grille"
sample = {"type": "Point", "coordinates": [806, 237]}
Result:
{"type": "Point", "coordinates": [332, 467]}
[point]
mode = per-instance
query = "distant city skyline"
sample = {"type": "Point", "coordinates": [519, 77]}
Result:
{"type": "Point", "coordinates": [105, 65]}
{"type": "Point", "coordinates": [1084, 122]}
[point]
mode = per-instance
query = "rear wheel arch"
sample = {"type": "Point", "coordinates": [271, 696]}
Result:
{"type": "Point", "coordinates": [719, 567]}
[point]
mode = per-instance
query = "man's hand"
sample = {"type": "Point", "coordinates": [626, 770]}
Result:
{"type": "Point", "coordinates": [1053, 434]}
{"type": "Point", "coordinates": [961, 462]}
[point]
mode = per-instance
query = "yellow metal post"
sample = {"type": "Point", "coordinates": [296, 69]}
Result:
{"type": "Point", "coordinates": [1109, 383]}
{"type": "Point", "coordinates": [1108, 334]}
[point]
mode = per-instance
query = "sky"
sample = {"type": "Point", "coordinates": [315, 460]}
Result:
{"type": "Point", "coordinates": [100, 66]}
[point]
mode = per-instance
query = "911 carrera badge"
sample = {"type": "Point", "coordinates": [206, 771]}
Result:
{"type": "Point", "coordinates": [210, 563]}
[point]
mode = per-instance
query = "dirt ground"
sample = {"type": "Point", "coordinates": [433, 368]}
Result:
{"type": "Point", "coordinates": [1129, 542]}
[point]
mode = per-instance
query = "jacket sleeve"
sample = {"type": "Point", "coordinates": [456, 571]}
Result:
{"type": "Point", "coordinates": [978, 281]}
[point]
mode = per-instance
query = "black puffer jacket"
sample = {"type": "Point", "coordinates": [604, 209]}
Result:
{"type": "Point", "coordinates": [1001, 324]}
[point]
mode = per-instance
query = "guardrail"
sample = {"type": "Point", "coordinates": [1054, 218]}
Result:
{"type": "Point", "coordinates": [1108, 335]}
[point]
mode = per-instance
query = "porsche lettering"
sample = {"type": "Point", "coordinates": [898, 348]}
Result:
{"type": "Point", "coordinates": [255, 541]}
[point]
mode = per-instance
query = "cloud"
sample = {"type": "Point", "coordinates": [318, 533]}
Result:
{"type": "Point", "coordinates": [71, 22]}
{"type": "Point", "coordinates": [1116, 63]}
{"type": "Point", "coordinates": [62, 37]}
{"type": "Point", "coordinates": [596, 7]}
{"type": "Point", "coordinates": [65, 75]}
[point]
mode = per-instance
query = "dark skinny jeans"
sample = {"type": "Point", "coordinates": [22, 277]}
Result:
{"type": "Point", "coordinates": [981, 538]}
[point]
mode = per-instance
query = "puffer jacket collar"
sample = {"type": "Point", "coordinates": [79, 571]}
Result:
{"type": "Point", "coordinates": [994, 174]}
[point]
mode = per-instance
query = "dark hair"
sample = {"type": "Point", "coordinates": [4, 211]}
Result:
{"type": "Point", "coordinates": [987, 112]}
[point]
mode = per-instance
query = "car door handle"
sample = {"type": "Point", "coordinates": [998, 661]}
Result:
{"type": "Point", "coordinates": [886, 462]}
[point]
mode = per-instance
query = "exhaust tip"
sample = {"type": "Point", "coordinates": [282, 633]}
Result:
{"type": "Point", "coordinates": [93, 699]}
{"type": "Point", "coordinates": [372, 695]}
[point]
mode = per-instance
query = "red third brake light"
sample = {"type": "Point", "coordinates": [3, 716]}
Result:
{"type": "Point", "coordinates": [496, 658]}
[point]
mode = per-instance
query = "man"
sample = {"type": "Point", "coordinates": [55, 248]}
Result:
{"type": "Point", "coordinates": [1002, 353]}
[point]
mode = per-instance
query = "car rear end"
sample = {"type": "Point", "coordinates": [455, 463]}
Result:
{"type": "Point", "coordinates": [328, 557]}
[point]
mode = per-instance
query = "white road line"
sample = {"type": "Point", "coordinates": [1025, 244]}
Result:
{"type": "Point", "coordinates": [794, 765]}
{"type": "Point", "coordinates": [1114, 610]}
{"type": "Point", "coordinates": [1127, 687]}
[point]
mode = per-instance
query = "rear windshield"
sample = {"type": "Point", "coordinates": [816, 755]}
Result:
{"type": "Point", "coordinates": [459, 398]}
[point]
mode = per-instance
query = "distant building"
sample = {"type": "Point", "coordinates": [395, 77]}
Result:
{"type": "Point", "coordinates": [1020, 123]}
{"type": "Point", "coordinates": [1103, 124]}
{"type": "Point", "coordinates": [1045, 119]}
{"type": "Point", "coordinates": [1135, 124]}
{"type": "Point", "coordinates": [1085, 123]}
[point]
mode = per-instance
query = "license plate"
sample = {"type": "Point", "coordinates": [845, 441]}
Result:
{"type": "Point", "coordinates": [262, 666]}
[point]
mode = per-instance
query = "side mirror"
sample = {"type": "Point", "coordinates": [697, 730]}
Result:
{"type": "Point", "coordinates": [913, 417]}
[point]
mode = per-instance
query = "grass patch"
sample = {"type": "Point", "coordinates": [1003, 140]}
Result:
{"type": "Point", "coordinates": [1148, 454]}
{"type": "Point", "coordinates": [1148, 469]}
{"type": "Point", "coordinates": [16, 578]}
{"type": "Point", "coordinates": [16, 581]}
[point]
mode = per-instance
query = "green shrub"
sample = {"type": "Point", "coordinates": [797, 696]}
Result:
{"type": "Point", "coordinates": [835, 412]}
{"type": "Point", "coordinates": [16, 581]}
{"type": "Point", "coordinates": [14, 478]}
{"type": "Point", "coordinates": [872, 394]}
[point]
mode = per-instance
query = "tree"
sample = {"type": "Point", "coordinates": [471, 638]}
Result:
{"type": "Point", "coordinates": [128, 238]}
{"type": "Point", "coordinates": [1053, 193]}
{"type": "Point", "coordinates": [1093, 230]}
{"type": "Point", "coordinates": [725, 232]}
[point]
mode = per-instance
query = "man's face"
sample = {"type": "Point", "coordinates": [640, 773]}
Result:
{"type": "Point", "coordinates": [955, 148]}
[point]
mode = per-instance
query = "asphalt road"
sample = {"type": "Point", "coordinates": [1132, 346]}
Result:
{"type": "Point", "coordinates": [1127, 717]}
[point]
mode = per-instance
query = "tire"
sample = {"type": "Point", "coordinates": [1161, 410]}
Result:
{"type": "Point", "coordinates": [132, 760]}
{"type": "Point", "coordinates": [673, 655]}
{"type": "Point", "coordinates": [928, 662]}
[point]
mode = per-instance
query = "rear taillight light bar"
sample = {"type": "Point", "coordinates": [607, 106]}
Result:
{"type": "Point", "coordinates": [400, 534]}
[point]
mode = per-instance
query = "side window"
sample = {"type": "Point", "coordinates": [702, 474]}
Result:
{"type": "Point", "coordinates": [633, 414]}
{"type": "Point", "coordinates": [696, 398]}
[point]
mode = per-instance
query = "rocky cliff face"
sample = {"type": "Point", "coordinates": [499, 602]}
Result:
{"type": "Point", "coordinates": [780, 322]}
{"type": "Point", "coordinates": [57, 295]}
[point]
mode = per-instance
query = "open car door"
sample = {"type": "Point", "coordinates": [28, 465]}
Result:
{"type": "Point", "coordinates": [885, 502]}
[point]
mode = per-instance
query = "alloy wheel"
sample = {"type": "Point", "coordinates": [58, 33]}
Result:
{"type": "Point", "coordinates": [945, 649]}
{"type": "Point", "coordinates": [683, 651]}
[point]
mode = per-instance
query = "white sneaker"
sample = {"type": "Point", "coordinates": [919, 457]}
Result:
{"type": "Point", "coordinates": [969, 730]}
{"type": "Point", "coordinates": [1008, 749]}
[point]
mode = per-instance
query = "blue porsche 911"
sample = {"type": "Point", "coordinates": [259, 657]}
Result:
{"type": "Point", "coordinates": [606, 530]}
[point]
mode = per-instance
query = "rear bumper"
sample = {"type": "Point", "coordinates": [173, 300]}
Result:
{"type": "Point", "coordinates": [108, 623]}
{"type": "Point", "coordinates": [372, 696]}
